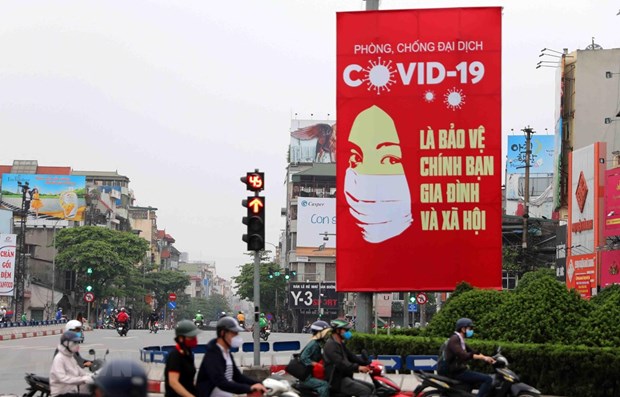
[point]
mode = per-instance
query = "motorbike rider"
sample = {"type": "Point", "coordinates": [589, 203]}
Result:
{"type": "Point", "coordinates": [198, 318]}
{"type": "Point", "coordinates": [76, 326]}
{"type": "Point", "coordinates": [222, 314]}
{"type": "Point", "coordinates": [241, 318]}
{"type": "Point", "coordinates": [121, 377]}
{"type": "Point", "coordinates": [123, 318]}
{"type": "Point", "coordinates": [340, 363]}
{"type": "Point", "coordinates": [457, 354]}
{"type": "Point", "coordinates": [218, 375]}
{"type": "Point", "coordinates": [66, 375]}
{"type": "Point", "coordinates": [312, 355]}
{"type": "Point", "coordinates": [180, 369]}
{"type": "Point", "coordinates": [153, 318]}
{"type": "Point", "coordinates": [262, 321]}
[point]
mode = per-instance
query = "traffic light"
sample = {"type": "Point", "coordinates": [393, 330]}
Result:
{"type": "Point", "coordinates": [254, 181]}
{"type": "Point", "coordinates": [270, 275]}
{"type": "Point", "coordinates": [88, 287]}
{"type": "Point", "coordinates": [293, 273]}
{"type": "Point", "coordinates": [89, 271]}
{"type": "Point", "coordinates": [287, 274]}
{"type": "Point", "coordinates": [412, 297]}
{"type": "Point", "coordinates": [255, 221]}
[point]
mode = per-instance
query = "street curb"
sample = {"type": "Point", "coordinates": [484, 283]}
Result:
{"type": "Point", "coordinates": [21, 335]}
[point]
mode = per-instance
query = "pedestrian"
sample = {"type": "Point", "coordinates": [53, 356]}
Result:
{"type": "Point", "coordinates": [180, 368]}
{"type": "Point", "coordinates": [218, 375]}
{"type": "Point", "coordinates": [24, 319]}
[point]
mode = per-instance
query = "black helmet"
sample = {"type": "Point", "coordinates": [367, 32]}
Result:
{"type": "Point", "coordinates": [318, 326]}
{"type": "Point", "coordinates": [186, 328]}
{"type": "Point", "coordinates": [340, 324]}
{"type": "Point", "coordinates": [463, 323]}
{"type": "Point", "coordinates": [122, 377]}
{"type": "Point", "coordinates": [227, 323]}
{"type": "Point", "coordinates": [70, 336]}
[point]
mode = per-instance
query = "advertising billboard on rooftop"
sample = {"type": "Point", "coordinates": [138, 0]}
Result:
{"type": "Point", "coordinates": [57, 196]}
{"type": "Point", "coordinates": [419, 201]}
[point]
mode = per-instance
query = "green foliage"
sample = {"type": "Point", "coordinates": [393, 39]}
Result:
{"type": "Point", "coordinates": [601, 327]}
{"type": "Point", "coordinates": [269, 288]}
{"type": "Point", "coordinates": [161, 284]}
{"type": "Point", "coordinates": [509, 258]}
{"type": "Point", "coordinates": [461, 287]}
{"type": "Point", "coordinates": [476, 304]}
{"type": "Point", "coordinates": [541, 310]}
{"type": "Point", "coordinates": [113, 256]}
{"type": "Point", "coordinates": [535, 275]}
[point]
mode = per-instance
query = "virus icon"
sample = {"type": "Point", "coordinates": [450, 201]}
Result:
{"type": "Point", "coordinates": [429, 96]}
{"type": "Point", "coordinates": [378, 75]}
{"type": "Point", "coordinates": [454, 99]}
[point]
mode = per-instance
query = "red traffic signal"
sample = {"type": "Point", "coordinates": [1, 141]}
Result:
{"type": "Point", "coordinates": [254, 181]}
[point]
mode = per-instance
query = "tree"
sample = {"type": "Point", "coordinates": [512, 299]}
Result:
{"type": "Point", "coordinates": [112, 255]}
{"type": "Point", "coordinates": [161, 284]}
{"type": "Point", "coordinates": [269, 287]}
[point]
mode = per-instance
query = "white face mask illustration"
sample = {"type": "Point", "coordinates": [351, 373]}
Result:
{"type": "Point", "coordinates": [381, 204]}
{"type": "Point", "coordinates": [375, 185]}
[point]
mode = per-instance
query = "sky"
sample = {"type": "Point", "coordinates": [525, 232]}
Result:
{"type": "Point", "coordinates": [185, 97]}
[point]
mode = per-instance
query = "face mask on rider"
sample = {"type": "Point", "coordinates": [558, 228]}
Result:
{"type": "Point", "coordinates": [190, 343]}
{"type": "Point", "coordinates": [347, 335]}
{"type": "Point", "coordinates": [469, 333]}
{"type": "Point", "coordinates": [73, 347]}
{"type": "Point", "coordinates": [236, 341]}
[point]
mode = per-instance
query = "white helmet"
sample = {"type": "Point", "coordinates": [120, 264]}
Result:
{"type": "Point", "coordinates": [73, 325]}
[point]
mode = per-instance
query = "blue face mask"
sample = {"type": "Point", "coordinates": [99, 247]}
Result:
{"type": "Point", "coordinates": [79, 334]}
{"type": "Point", "coordinates": [347, 335]}
{"type": "Point", "coordinates": [469, 333]}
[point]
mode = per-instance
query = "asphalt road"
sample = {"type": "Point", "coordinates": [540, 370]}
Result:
{"type": "Point", "coordinates": [20, 356]}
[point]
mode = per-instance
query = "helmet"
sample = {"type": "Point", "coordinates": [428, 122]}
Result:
{"type": "Point", "coordinates": [122, 309]}
{"type": "Point", "coordinates": [318, 326]}
{"type": "Point", "coordinates": [240, 312]}
{"type": "Point", "coordinates": [70, 336]}
{"type": "Point", "coordinates": [73, 325]}
{"type": "Point", "coordinates": [186, 328]}
{"type": "Point", "coordinates": [338, 324]}
{"type": "Point", "coordinates": [198, 310]}
{"type": "Point", "coordinates": [227, 323]}
{"type": "Point", "coordinates": [463, 323]}
{"type": "Point", "coordinates": [122, 377]}
{"type": "Point", "coordinates": [262, 314]}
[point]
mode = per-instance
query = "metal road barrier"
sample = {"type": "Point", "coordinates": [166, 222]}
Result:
{"type": "Point", "coordinates": [30, 323]}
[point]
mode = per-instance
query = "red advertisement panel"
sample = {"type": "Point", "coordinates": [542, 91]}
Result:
{"type": "Point", "coordinates": [610, 268]}
{"type": "Point", "coordinates": [581, 274]}
{"type": "Point", "coordinates": [612, 203]}
{"type": "Point", "coordinates": [419, 149]}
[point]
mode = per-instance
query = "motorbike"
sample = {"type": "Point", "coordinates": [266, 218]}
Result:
{"type": "Point", "coordinates": [199, 323]}
{"type": "Point", "coordinates": [40, 385]}
{"type": "Point", "coordinates": [122, 329]}
{"type": "Point", "coordinates": [264, 333]}
{"type": "Point", "coordinates": [505, 383]}
{"type": "Point", "coordinates": [277, 386]}
{"type": "Point", "coordinates": [154, 327]}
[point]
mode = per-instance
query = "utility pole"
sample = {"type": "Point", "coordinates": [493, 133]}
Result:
{"type": "Point", "coordinates": [364, 299]}
{"type": "Point", "coordinates": [526, 187]}
{"type": "Point", "coordinates": [21, 266]}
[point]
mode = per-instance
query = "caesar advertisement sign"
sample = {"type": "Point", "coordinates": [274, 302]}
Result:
{"type": "Point", "coordinates": [316, 227]}
{"type": "Point", "coordinates": [306, 295]}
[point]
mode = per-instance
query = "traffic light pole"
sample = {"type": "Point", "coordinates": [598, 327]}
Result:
{"type": "Point", "coordinates": [256, 308]}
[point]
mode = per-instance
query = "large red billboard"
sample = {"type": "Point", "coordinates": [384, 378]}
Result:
{"type": "Point", "coordinates": [419, 149]}
{"type": "Point", "coordinates": [612, 203]}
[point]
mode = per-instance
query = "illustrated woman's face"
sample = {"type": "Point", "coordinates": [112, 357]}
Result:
{"type": "Point", "coordinates": [375, 147]}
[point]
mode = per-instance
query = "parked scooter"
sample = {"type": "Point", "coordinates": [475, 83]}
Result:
{"type": "Point", "coordinates": [505, 383]}
{"type": "Point", "coordinates": [40, 385]}
{"type": "Point", "coordinates": [122, 329]}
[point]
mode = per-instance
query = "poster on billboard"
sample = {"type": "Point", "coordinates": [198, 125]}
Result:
{"type": "Point", "coordinates": [6, 221]}
{"type": "Point", "coordinates": [541, 156]}
{"type": "Point", "coordinates": [560, 253]}
{"type": "Point", "coordinates": [316, 227]}
{"type": "Point", "coordinates": [581, 274]}
{"type": "Point", "coordinates": [419, 201]}
{"type": "Point", "coordinates": [313, 141]}
{"type": "Point", "coordinates": [313, 295]}
{"type": "Point", "coordinates": [7, 259]}
{"type": "Point", "coordinates": [58, 196]}
{"type": "Point", "coordinates": [586, 178]}
{"type": "Point", "coordinates": [612, 203]}
{"type": "Point", "coordinates": [540, 177]}
{"type": "Point", "coordinates": [610, 268]}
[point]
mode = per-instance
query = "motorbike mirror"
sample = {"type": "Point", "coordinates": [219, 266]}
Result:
{"type": "Point", "coordinates": [91, 352]}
